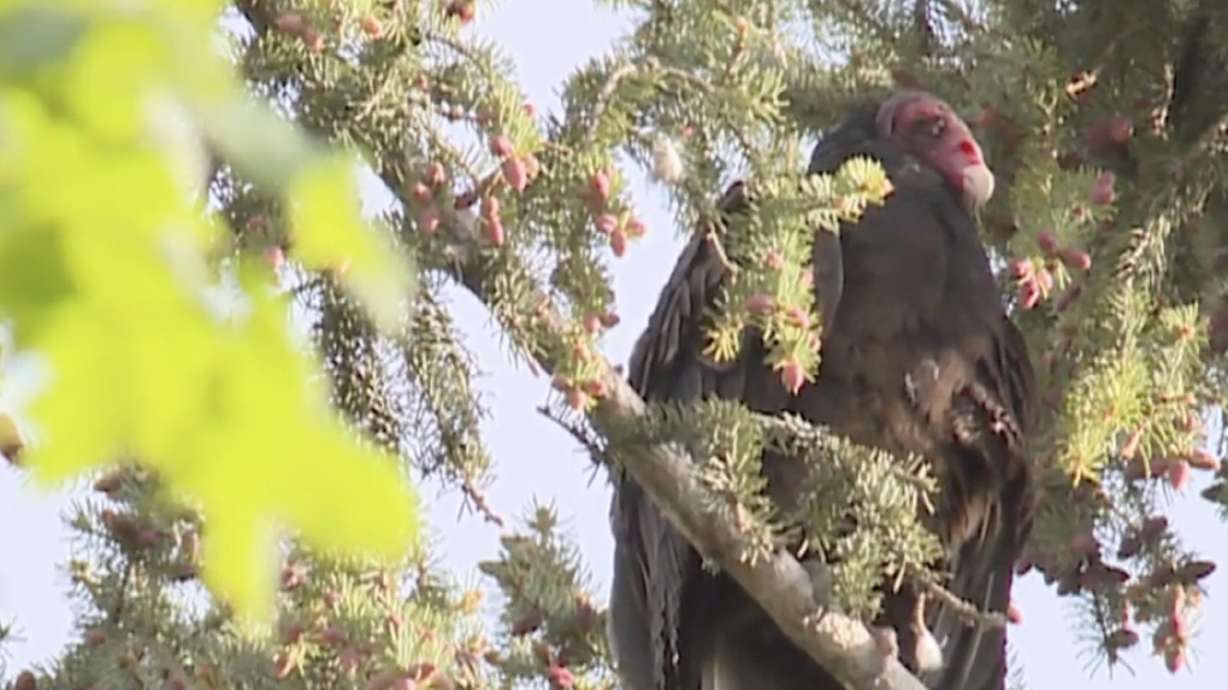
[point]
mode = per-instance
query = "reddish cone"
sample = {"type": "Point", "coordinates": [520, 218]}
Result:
{"type": "Point", "coordinates": [1047, 242]}
{"type": "Point", "coordinates": [1028, 294]}
{"type": "Point", "coordinates": [1109, 135]}
{"type": "Point", "coordinates": [515, 173]}
{"type": "Point", "coordinates": [595, 388]}
{"type": "Point", "coordinates": [1130, 447]}
{"type": "Point", "coordinates": [798, 317]}
{"type": "Point", "coordinates": [495, 232]}
{"type": "Point", "coordinates": [1202, 460]}
{"type": "Point", "coordinates": [760, 304]}
{"type": "Point", "coordinates": [618, 242]}
{"type": "Point", "coordinates": [576, 399]}
{"type": "Point", "coordinates": [792, 376]}
{"type": "Point", "coordinates": [333, 635]}
{"type": "Point", "coordinates": [1013, 614]}
{"type": "Point", "coordinates": [290, 22]}
{"type": "Point", "coordinates": [1076, 259]}
{"type": "Point", "coordinates": [349, 660]}
{"type": "Point", "coordinates": [1102, 189]}
{"type": "Point", "coordinates": [1178, 474]}
{"type": "Point", "coordinates": [436, 175]}
{"type": "Point", "coordinates": [491, 207]}
{"type": "Point", "coordinates": [464, 10]}
{"type": "Point", "coordinates": [1174, 658]}
{"type": "Point", "coordinates": [592, 323]}
{"type": "Point", "coordinates": [429, 218]}
{"type": "Point", "coordinates": [372, 27]}
{"type": "Point", "coordinates": [635, 227]}
{"type": "Point", "coordinates": [561, 677]}
{"type": "Point", "coordinates": [501, 146]}
{"type": "Point", "coordinates": [606, 223]}
{"type": "Point", "coordinates": [313, 39]}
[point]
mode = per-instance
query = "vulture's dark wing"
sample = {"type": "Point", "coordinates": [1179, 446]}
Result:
{"type": "Point", "coordinates": [670, 620]}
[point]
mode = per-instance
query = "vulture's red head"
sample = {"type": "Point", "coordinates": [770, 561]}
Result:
{"type": "Point", "coordinates": [925, 126]}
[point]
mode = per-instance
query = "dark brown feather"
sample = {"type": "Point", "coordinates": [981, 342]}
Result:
{"type": "Point", "coordinates": [918, 357]}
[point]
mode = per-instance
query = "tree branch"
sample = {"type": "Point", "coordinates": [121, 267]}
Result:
{"type": "Point", "coordinates": [779, 584]}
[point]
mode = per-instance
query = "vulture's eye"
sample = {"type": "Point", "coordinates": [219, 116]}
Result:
{"type": "Point", "coordinates": [937, 126]}
{"type": "Point", "coordinates": [929, 126]}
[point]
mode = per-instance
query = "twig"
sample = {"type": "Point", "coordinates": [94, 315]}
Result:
{"type": "Point", "coordinates": [480, 503]}
{"type": "Point", "coordinates": [607, 92]}
{"type": "Point", "coordinates": [964, 609]}
{"type": "Point", "coordinates": [597, 453]}
{"type": "Point", "coordinates": [714, 241]}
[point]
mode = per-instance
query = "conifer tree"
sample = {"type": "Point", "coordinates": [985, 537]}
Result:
{"type": "Point", "coordinates": [1104, 122]}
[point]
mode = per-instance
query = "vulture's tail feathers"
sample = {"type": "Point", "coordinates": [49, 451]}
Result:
{"type": "Point", "coordinates": [752, 654]}
{"type": "Point", "coordinates": [975, 657]}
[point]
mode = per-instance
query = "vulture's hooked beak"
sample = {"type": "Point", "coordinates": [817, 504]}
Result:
{"type": "Point", "coordinates": [976, 186]}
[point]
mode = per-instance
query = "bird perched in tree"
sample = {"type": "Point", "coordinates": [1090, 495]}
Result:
{"type": "Point", "coordinates": [918, 356]}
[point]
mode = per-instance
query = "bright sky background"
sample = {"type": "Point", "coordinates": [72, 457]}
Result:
{"type": "Point", "coordinates": [548, 39]}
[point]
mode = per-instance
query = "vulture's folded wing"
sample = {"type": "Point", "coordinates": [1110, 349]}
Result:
{"type": "Point", "coordinates": [665, 611]}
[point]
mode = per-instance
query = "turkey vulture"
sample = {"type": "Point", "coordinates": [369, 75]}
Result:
{"type": "Point", "coordinates": [918, 355]}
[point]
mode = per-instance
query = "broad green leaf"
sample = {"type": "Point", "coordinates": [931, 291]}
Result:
{"type": "Point", "coordinates": [34, 280]}
{"type": "Point", "coordinates": [256, 141]}
{"type": "Point", "coordinates": [324, 217]}
{"type": "Point", "coordinates": [34, 35]}
{"type": "Point", "coordinates": [103, 272]}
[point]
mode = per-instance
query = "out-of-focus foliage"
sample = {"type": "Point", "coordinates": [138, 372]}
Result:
{"type": "Point", "coordinates": [108, 112]}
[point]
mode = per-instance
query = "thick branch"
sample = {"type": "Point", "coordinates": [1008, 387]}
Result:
{"type": "Point", "coordinates": [779, 584]}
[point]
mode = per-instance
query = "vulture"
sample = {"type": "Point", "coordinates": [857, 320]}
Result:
{"type": "Point", "coordinates": [918, 355]}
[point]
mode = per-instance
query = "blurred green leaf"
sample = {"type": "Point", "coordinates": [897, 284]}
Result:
{"type": "Point", "coordinates": [33, 35]}
{"type": "Point", "coordinates": [325, 216]}
{"type": "Point", "coordinates": [103, 271]}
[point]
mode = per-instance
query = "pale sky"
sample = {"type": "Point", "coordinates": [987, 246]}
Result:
{"type": "Point", "coordinates": [548, 39]}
